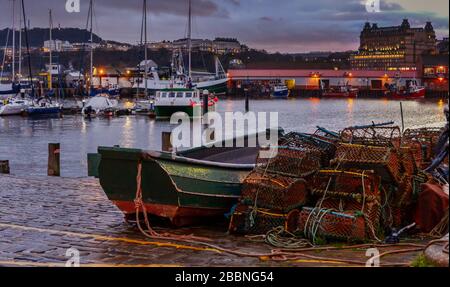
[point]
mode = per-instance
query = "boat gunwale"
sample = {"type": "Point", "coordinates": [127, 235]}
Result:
{"type": "Point", "coordinates": [155, 155]}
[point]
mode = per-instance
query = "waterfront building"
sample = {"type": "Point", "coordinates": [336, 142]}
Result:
{"type": "Point", "coordinates": [373, 80]}
{"type": "Point", "coordinates": [434, 72]}
{"type": "Point", "coordinates": [393, 48]}
{"type": "Point", "coordinates": [442, 46]}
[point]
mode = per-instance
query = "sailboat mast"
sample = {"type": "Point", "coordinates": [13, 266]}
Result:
{"type": "Point", "coordinates": [13, 76]}
{"type": "Point", "coordinates": [145, 48]}
{"type": "Point", "coordinates": [20, 41]}
{"type": "Point", "coordinates": [50, 84]}
{"type": "Point", "coordinates": [190, 39]}
{"type": "Point", "coordinates": [91, 68]}
{"type": "Point", "coordinates": [27, 43]}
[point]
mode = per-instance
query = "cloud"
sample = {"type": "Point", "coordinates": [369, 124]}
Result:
{"type": "Point", "coordinates": [285, 25]}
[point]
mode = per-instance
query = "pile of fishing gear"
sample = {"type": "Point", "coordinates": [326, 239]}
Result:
{"type": "Point", "coordinates": [356, 185]}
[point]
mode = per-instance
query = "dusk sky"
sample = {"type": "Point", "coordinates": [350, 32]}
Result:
{"type": "Point", "coordinates": [283, 25]}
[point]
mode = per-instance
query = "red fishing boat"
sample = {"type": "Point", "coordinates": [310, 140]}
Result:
{"type": "Point", "coordinates": [411, 91]}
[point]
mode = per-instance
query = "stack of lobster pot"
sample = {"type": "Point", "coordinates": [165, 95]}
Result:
{"type": "Point", "coordinates": [277, 186]}
{"type": "Point", "coordinates": [345, 206]}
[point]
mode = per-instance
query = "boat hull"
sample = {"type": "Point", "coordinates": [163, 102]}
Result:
{"type": "Point", "coordinates": [280, 94]}
{"type": "Point", "coordinates": [43, 111]}
{"type": "Point", "coordinates": [419, 94]}
{"type": "Point", "coordinates": [165, 112]}
{"type": "Point", "coordinates": [180, 190]}
{"type": "Point", "coordinates": [9, 110]}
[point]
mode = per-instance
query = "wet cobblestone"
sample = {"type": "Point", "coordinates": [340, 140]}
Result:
{"type": "Point", "coordinates": [40, 218]}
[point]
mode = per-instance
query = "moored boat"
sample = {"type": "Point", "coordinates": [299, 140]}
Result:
{"type": "Point", "coordinates": [340, 92]}
{"type": "Point", "coordinates": [411, 91]}
{"type": "Point", "coordinates": [100, 105]}
{"type": "Point", "coordinates": [14, 106]}
{"type": "Point", "coordinates": [43, 107]}
{"type": "Point", "coordinates": [280, 92]}
{"type": "Point", "coordinates": [189, 101]}
{"type": "Point", "coordinates": [185, 188]}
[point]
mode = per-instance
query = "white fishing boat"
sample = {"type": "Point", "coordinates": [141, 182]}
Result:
{"type": "Point", "coordinates": [189, 101]}
{"type": "Point", "coordinates": [280, 92]}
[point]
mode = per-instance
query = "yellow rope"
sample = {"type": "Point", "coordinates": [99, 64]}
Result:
{"type": "Point", "coordinates": [109, 238]}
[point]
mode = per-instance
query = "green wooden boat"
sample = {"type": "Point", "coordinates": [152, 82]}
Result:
{"type": "Point", "coordinates": [186, 187]}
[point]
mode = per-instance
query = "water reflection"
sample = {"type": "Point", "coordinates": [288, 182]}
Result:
{"type": "Point", "coordinates": [24, 141]}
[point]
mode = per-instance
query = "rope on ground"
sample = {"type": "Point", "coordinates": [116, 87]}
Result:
{"type": "Point", "coordinates": [278, 237]}
{"type": "Point", "coordinates": [274, 254]}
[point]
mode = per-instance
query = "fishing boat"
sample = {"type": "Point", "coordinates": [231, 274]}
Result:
{"type": "Point", "coordinates": [186, 187]}
{"type": "Point", "coordinates": [280, 92]}
{"type": "Point", "coordinates": [189, 101]}
{"type": "Point", "coordinates": [340, 92]}
{"type": "Point", "coordinates": [100, 105]}
{"type": "Point", "coordinates": [412, 91]}
{"type": "Point", "coordinates": [13, 106]}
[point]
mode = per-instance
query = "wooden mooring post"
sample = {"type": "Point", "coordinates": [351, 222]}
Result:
{"type": "Point", "coordinates": [54, 164]}
{"type": "Point", "coordinates": [4, 167]}
{"type": "Point", "coordinates": [166, 142]}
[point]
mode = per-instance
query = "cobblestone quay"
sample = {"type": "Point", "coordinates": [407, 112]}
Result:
{"type": "Point", "coordinates": [42, 219]}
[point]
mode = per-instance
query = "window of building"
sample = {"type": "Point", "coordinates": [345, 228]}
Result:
{"type": "Point", "coordinates": [428, 71]}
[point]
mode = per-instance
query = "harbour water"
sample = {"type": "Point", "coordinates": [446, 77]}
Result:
{"type": "Point", "coordinates": [23, 141]}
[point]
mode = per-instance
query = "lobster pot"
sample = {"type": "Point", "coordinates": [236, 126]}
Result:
{"type": "Point", "coordinates": [372, 136]}
{"type": "Point", "coordinates": [408, 160]}
{"type": "Point", "coordinates": [292, 220]}
{"type": "Point", "coordinates": [274, 192]}
{"type": "Point", "coordinates": [383, 160]}
{"type": "Point", "coordinates": [359, 185]}
{"type": "Point", "coordinates": [247, 220]}
{"type": "Point", "coordinates": [290, 162]}
{"type": "Point", "coordinates": [427, 138]}
{"type": "Point", "coordinates": [370, 210]}
{"type": "Point", "coordinates": [326, 148]}
{"type": "Point", "coordinates": [404, 195]}
{"type": "Point", "coordinates": [332, 225]}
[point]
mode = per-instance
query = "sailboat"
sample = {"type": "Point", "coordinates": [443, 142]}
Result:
{"type": "Point", "coordinates": [216, 84]}
{"type": "Point", "coordinates": [10, 89]}
{"type": "Point", "coordinates": [44, 105]}
{"type": "Point", "coordinates": [100, 102]}
{"type": "Point", "coordinates": [12, 103]}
